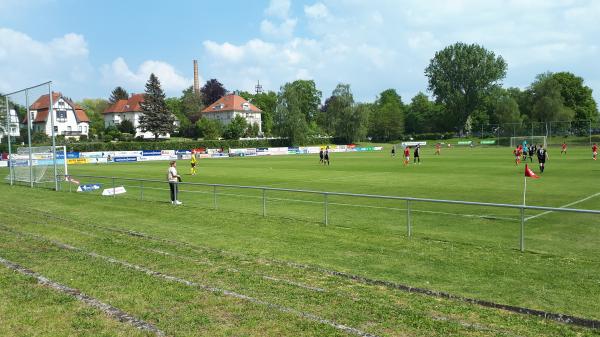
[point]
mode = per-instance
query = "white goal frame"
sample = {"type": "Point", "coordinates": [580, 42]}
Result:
{"type": "Point", "coordinates": [515, 141]}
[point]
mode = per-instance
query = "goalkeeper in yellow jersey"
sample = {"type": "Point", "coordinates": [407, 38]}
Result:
{"type": "Point", "coordinates": [193, 162]}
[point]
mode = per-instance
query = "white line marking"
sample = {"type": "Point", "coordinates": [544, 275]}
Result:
{"type": "Point", "coordinates": [281, 308]}
{"type": "Point", "coordinates": [109, 310]}
{"type": "Point", "coordinates": [563, 206]}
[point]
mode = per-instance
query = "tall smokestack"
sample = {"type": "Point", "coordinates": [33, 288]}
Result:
{"type": "Point", "coordinates": [196, 84]}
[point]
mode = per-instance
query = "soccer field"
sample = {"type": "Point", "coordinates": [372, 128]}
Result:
{"type": "Point", "coordinates": [196, 270]}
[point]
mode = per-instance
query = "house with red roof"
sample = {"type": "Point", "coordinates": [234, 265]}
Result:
{"type": "Point", "coordinates": [70, 119]}
{"type": "Point", "coordinates": [226, 108]}
{"type": "Point", "coordinates": [131, 110]}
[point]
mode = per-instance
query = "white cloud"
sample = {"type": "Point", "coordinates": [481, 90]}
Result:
{"type": "Point", "coordinates": [316, 11]}
{"type": "Point", "coordinates": [118, 73]}
{"type": "Point", "coordinates": [383, 44]}
{"type": "Point", "coordinates": [285, 30]}
{"type": "Point", "coordinates": [25, 61]}
{"type": "Point", "coordinates": [279, 9]}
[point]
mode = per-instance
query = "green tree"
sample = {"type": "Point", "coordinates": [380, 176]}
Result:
{"type": "Point", "coordinates": [209, 128]}
{"type": "Point", "coordinates": [459, 76]}
{"type": "Point", "coordinates": [348, 120]}
{"type": "Point", "coordinates": [548, 103]}
{"type": "Point", "coordinates": [211, 91]}
{"type": "Point", "coordinates": [156, 118]}
{"type": "Point", "coordinates": [191, 105]}
{"type": "Point", "coordinates": [252, 130]}
{"type": "Point", "coordinates": [117, 94]}
{"type": "Point", "coordinates": [577, 96]}
{"type": "Point", "coordinates": [387, 117]}
{"type": "Point", "coordinates": [267, 102]}
{"type": "Point", "coordinates": [94, 107]}
{"type": "Point", "coordinates": [236, 128]}
{"type": "Point", "coordinates": [126, 126]}
{"type": "Point", "coordinates": [289, 120]}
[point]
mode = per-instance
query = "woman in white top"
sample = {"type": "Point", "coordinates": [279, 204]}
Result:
{"type": "Point", "coordinates": [173, 179]}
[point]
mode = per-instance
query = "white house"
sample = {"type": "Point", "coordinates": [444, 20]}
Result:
{"type": "Point", "coordinates": [13, 125]}
{"type": "Point", "coordinates": [227, 107]}
{"type": "Point", "coordinates": [70, 120]}
{"type": "Point", "coordinates": [128, 109]}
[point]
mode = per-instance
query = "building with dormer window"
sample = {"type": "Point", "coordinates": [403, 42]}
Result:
{"type": "Point", "coordinates": [227, 107]}
{"type": "Point", "coordinates": [70, 120]}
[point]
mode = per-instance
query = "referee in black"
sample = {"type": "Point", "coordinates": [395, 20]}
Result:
{"type": "Point", "coordinates": [542, 155]}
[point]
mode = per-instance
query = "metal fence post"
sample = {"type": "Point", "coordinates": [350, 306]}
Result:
{"type": "Point", "coordinates": [215, 196]}
{"type": "Point", "coordinates": [264, 203]}
{"type": "Point", "coordinates": [141, 190]}
{"type": "Point", "coordinates": [408, 220]}
{"type": "Point", "coordinates": [68, 182]}
{"type": "Point", "coordinates": [326, 204]}
{"type": "Point", "coordinates": [522, 243]}
{"type": "Point", "coordinates": [113, 183]}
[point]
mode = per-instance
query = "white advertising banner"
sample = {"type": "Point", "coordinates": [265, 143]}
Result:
{"type": "Point", "coordinates": [114, 191]}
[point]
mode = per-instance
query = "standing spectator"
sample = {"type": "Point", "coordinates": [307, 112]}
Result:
{"type": "Point", "coordinates": [174, 180]}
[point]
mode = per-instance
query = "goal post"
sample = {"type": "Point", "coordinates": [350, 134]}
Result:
{"type": "Point", "coordinates": [515, 141]}
{"type": "Point", "coordinates": [38, 165]}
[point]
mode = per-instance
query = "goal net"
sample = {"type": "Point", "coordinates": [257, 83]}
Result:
{"type": "Point", "coordinates": [539, 140]}
{"type": "Point", "coordinates": [36, 164]}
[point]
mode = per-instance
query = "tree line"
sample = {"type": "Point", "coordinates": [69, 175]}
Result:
{"type": "Point", "coordinates": [465, 82]}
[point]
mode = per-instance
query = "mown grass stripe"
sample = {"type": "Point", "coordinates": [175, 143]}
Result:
{"type": "Point", "coordinates": [108, 309]}
{"type": "Point", "coordinates": [302, 314]}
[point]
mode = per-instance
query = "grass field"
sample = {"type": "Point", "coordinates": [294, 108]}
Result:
{"type": "Point", "coordinates": [201, 271]}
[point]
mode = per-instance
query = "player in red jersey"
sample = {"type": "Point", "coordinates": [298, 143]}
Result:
{"type": "Point", "coordinates": [563, 148]}
{"type": "Point", "coordinates": [438, 148]}
{"type": "Point", "coordinates": [517, 153]}
{"type": "Point", "coordinates": [406, 155]}
{"type": "Point", "coordinates": [595, 151]}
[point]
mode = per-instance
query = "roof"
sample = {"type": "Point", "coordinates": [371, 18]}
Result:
{"type": "Point", "coordinates": [132, 104]}
{"type": "Point", "coordinates": [231, 102]}
{"type": "Point", "coordinates": [43, 102]}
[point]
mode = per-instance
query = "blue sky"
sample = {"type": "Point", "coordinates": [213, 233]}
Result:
{"type": "Point", "coordinates": [89, 47]}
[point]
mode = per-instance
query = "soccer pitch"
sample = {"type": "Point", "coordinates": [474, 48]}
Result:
{"type": "Point", "coordinates": [195, 270]}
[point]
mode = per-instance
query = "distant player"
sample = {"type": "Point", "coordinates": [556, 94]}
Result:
{"type": "Point", "coordinates": [563, 148]}
{"type": "Point", "coordinates": [517, 154]}
{"type": "Point", "coordinates": [438, 149]}
{"type": "Point", "coordinates": [321, 155]}
{"type": "Point", "coordinates": [524, 152]}
{"type": "Point", "coordinates": [532, 150]}
{"type": "Point", "coordinates": [417, 154]}
{"type": "Point", "coordinates": [542, 155]}
{"type": "Point", "coordinates": [595, 151]}
{"type": "Point", "coordinates": [193, 163]}
{"type": "Point", "coordinates": [326, 156]}
{"type": "Point", "coordinates": [393, 150]}
{"type": "Point", "coordinates": [406, 155]}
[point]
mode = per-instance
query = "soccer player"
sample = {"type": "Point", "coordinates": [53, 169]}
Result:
{"type": "Point", "coordinates": [595, 151]}
{"type": "Point", "coordinates": [417, 154]}
{"type": "Point", "coordinates": [438, 148]}
{"type": "Point", "coordinates": [321, 155]}
{"type": "Point", "coordinates": [531, 152]}
{"type": "Point", "coordinates": [193, 162]}
{"type": "Point", "coordinates": [393, 150]}
{"type": "Point", "coordinates": [517, 153]}
{"type": "Point", "coordinates": [406, 155]}
{"type": "Point", "coordinates": [542, 155]}
{"type": "Point", "coordinates": [563, 149]}
{"type": "Point", "coordinates": [326, 156]}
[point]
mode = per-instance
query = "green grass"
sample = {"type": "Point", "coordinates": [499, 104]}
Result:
{"type": "Point", "coordinates": [234, 248]}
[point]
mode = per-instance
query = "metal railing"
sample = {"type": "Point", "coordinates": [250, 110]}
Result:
{"type": "Point", "coordinates": [140, 183]}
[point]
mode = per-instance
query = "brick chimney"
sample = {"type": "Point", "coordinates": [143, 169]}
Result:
{"type": "Point", "coordinates": [196, 84]}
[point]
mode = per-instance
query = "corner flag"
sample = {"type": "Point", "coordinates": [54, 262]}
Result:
{"type": "Point", "coordinates": [530, 173]}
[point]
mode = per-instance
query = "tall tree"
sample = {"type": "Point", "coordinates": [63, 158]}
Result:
{"type": "Point", "coordinates": [387, 117]}
{"type": "Point", "coordinates": [267, 102]}
{"type": "Point", "coordinates": [236, 128]}
{"type": "Point", "coordinates": [548, 103]}
{"type": "Point", "coordinates": [577, 96]}
{"type": "Point", "coordinates": [156, 118]}
{"type": "Point", "coordinates": [348, 120]}
{"type": "Point", "coordinates": [289, 120]}
{"type": "Point", "coordinates": [460, 75]}
{"type": "Point", "coordinates": [309, 97]}
{"type": "Point", "coordinates": [209, 128]}
{"type": "Point", "coordinates": [422, 115]}
{"type": "Point", "coordinates": [212, 91]}
{"type": "Point", "coordinates": [117, 94]}
{"type": "Point", "coordinates": [191, 104]}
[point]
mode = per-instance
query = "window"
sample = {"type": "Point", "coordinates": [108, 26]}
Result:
{"type": "Point", "coordinates": [61, 104]}
{"type": "Point", "coordinates": [80, 128]}
{"type": "Point", "coordinates": [61, 116]}
{"type": "Point", "coordinates": [246, 106]}
{"type": "Point", "coordinates": [55, 128]}
{"type": "Point", "coordinates": [69, 128]}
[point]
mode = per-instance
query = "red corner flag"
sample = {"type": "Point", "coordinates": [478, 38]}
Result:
{"type": "Point", "coordinates": [530, 173]}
